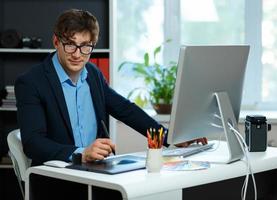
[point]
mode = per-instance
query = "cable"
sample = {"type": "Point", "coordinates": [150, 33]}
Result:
{"type": "Point", "coordinates": [245, 152]}
{"type": "Point", "coordinates": [249, 168]}
{"type": "Point", "coordinates": [219, 135]}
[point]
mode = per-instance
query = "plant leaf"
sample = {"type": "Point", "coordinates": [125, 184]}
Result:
{"type": "Point", "coordinates": [141, 102]}
{"type": "Point", "coordinates": [125, 63]}
{"type": "Point", "coordinates": [156, 51]}
{"type": "Point", "coordinates": [146, 59]}
{"type": "Point", "coordinates": [159, 79]}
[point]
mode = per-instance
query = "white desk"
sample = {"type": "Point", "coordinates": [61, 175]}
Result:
{"type": "Point", "coordinates": [140, 185]}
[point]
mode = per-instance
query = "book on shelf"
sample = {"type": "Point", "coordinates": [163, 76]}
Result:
{"type": "Point", "coordinates": [9, 100]}
{"type": "Point", "coordinates": [9, 88]}
{"type": "Point", "coordinates": [103, 64]}
{"type": "Point", "coordinates": [10, 91]}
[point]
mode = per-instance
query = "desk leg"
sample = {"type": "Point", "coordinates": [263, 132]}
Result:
{"type": "Point", "coordinates": [27, 190]}
{"type": "Point", "coordinates": [89, 192]}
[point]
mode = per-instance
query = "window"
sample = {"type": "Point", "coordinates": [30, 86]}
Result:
{"type": "Point", "coordinates": [269, 52]}
{"type": "Point", "coordinates": [142, 25]}
{"type": "Point", "coordinates": [215, 22]}
{"type": "Point", "coordinates": [139, 29]}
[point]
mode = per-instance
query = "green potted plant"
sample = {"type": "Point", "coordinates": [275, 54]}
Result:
{"type": "Point", "coordinates": [159, 82]}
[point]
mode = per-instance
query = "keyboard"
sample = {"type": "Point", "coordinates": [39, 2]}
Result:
{"type": "Point", "coordinates": [187, 151]}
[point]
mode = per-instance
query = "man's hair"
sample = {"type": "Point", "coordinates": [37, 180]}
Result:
{"type": "Point", "coordinates": [75, 21]}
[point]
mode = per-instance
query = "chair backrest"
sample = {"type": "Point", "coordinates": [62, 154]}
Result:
{"type": "Point", "coordinates": [20, 161]}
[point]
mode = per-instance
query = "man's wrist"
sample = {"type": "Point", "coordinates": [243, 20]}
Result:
{"type": "Point", "coordinates": [78, 150]}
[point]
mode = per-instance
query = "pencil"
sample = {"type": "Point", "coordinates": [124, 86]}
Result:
{"type": "Point", "coordinates": [155, 138]}
{"type": "Point", "coordinates": [107, 133]}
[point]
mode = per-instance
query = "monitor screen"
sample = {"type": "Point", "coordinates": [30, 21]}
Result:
{"type": "Point", "coordinates": [204, 74]}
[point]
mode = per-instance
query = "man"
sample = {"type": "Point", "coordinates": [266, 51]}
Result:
{"type": "Point", "coordinates": [64, 103]}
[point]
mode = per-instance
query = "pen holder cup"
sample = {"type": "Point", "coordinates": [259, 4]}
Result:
{"type": "Point", "coordinates": [154, 160]}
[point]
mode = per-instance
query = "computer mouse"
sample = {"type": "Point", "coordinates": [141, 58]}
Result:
{"type": "Point", "coordinates": [126, 161]}
{"type": "Point", "coordinates": [56, 163]}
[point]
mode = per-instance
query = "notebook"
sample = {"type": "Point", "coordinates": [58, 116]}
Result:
{"type": "Point", "coordinates": [187, 151]}
{"type": "Point", "coordinates": [113, 165]}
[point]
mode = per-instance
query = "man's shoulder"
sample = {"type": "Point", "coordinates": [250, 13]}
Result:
{"type": "Point", "coordinates": [92, 68]}
{"type": "Point", "coordinates": [37, 70]}
{"type": "Point", "coordinates": [34, 72]}
{"type": "Point", "coordinates": [94, 71]}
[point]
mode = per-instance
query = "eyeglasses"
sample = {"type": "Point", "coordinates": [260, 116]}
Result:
{"type": "Point", "coordinates": [72, 48]}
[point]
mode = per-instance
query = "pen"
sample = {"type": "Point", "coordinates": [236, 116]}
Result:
{"type": "Point", "coordinates": [106, 133]}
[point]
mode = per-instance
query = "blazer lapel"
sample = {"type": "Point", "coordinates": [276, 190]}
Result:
{"type": "Point", "coordinates": [57, 90]}
{"type": "Point", "coordinates": [97, 103]}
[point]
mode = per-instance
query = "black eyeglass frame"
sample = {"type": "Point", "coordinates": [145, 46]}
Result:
{"type": "Point", "coordinates": [92, 46]}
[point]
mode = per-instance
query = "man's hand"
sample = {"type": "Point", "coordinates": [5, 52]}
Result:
{"type": "Point", "coordinates": [187, 143]}
{"type": "Point", "coordinates": [101, 148]}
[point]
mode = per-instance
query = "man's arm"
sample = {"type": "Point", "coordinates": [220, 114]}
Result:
{"type": "Point", "coordinates": [34, 124]}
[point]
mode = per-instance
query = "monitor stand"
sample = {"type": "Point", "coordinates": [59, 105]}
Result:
{"type": "Point", "coordinates": [228, 151]}
{"type": "Point", "coordinates": [227, 116]}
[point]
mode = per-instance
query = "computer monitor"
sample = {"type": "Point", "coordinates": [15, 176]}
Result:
{"type": "Point", "coordinates": [208, 94]}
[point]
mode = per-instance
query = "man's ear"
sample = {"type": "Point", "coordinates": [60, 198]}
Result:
{"type": "Point", "coordinates": [55, 41]}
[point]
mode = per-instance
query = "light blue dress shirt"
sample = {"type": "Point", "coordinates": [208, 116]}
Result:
{"type": "Point", "coordinates": [79, 105]}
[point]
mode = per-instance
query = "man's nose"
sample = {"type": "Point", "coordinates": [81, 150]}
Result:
{"type": "Point", "coordinates": [77, 53]}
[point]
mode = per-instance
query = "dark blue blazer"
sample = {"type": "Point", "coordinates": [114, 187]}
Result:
{"type": "Point", "coordinates": [44, 119]}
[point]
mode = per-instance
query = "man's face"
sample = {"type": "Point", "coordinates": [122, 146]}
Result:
{"type": "Point", "coordinates": [73, 63]}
